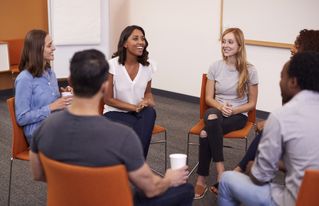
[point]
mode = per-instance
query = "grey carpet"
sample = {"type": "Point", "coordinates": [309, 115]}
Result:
{"type": "Point", "coordinates": [176, 116]}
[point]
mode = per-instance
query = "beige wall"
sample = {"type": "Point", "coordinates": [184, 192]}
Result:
{"type": "Point", "coordinates": [119, 18]}
{"type": "Point", "coordinates": [17, 17]}
{"type": "Point", "coordinates": [183, 39]}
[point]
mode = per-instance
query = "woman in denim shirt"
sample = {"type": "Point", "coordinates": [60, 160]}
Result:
{"type": "Point", "coordinates": [36, 87]}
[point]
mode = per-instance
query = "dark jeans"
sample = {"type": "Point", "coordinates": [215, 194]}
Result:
{"type": "Point", "coordinates": [142, 123]}
{"type": "Point", "coordinates": [251, 152]}
{"type": "Point", "coordinates": [175, 196]}
{"type": "Point", "coordinates": [212, 146]}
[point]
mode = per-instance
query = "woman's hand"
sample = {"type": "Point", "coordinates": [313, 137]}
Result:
{"type": "Point", "coordinates": [67, 89]}
{"type": "Point", "coordinates": [60, 103]}
{"type": "Point", "coordinates": [141, 105]}
{"type": "Point", "coordinates": [227, 109]}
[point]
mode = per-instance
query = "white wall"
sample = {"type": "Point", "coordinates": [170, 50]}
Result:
{"type": "Point", "coordinates": [183, 39]}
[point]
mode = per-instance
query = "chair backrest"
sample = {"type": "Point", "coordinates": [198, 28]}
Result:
{"type": "Point", "coordinates": [203, 106]}
{"type": "Point", "coordinates": [72, 185]}
{"type": "Point", "coordinates": [19, 142]}
{"type": "Point", "coordinates": [308, 192]}
{"type": "Point", "coordinates": [202, 101]}
{"type": "Point", "coordinates": [15, 47]}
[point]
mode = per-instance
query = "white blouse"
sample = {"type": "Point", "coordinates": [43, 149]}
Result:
{"type": "Point", "coordinates": [126, 89]}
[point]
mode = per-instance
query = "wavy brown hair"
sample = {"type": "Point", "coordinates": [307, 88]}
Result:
{"type": "Point", "coordinates": [121, 50]}
{"type": "Point", "coordinates": [32, 53]}
{"type": "Point", "coordinates": [241, 60]}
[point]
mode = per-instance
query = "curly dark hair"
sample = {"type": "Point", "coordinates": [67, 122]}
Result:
{"type": "Point", "coordinates": [121, 50]}
{"type": "Point", "coordinates": [308, 40]}
{"type": "Point", "coordinates": [304, 66]}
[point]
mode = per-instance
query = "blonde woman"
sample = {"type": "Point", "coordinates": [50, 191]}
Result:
{"type": "Point", "coordinates": [231, 91]}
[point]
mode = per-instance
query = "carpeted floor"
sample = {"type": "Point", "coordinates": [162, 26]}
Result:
{"type": "Point", "coordinates": [175, 115]}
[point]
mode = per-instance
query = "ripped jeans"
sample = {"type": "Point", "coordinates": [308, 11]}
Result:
{"type": "Point", "coordinates": [216, 125]}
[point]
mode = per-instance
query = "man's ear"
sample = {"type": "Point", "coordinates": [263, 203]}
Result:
{"type": "Point", "coordinates": [293, 84]}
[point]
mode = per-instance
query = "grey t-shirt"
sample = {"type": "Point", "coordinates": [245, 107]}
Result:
{"type": "Point", "coordinates": [226, 81]}
{"type": "Point", "coordinates": [88, 141]}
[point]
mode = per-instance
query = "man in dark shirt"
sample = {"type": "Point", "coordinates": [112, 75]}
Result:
{"type": "Point", "coordinates": [80, 136]}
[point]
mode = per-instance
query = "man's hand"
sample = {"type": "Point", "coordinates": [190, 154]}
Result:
{"type": "Point", "coordinates": [177, 177]}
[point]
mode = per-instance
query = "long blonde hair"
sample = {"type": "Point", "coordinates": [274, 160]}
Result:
{"type": "Point", "coordinates": [241, 59]}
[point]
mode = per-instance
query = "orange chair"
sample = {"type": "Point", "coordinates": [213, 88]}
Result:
{"type": "Point", "coordinates": [20, 148]}
{"type": "Point", "coordinates": [308, 191]}
{"type": "Point", "coordinates": [197, 128]}
{"type": "Point", "coordinates": [15, 47]}
{"type": "Point", "coordinates": [156, 130]}
{"type": "Point", "coordinates": [73, 185]}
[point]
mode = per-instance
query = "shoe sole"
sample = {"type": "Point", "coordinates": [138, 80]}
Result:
{"type": "Point", "coordinates": [203, 195]}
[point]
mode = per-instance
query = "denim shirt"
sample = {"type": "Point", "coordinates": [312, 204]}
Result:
{"type": "Point", "coordinates": [33, 95]}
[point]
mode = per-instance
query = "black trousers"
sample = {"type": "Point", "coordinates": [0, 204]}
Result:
{"type": "Point", "coordinates": [142, 123]}
{"type": "Point", "coordinates": [212, 146]}
{"type": "Point", "coordinates": [251, 152]}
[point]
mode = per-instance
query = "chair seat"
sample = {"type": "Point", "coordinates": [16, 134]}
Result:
{"type": "Point", "coordinates": [242, 133]}
{"type": "Point", "coordinates": [197, 127]}
{"type": "Point", "coordinates": [23, 155]}
{"type": "Point", "coordinates": [158, 129]}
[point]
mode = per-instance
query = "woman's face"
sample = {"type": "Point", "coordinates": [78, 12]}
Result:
{"type": "Point", "coordinates": [48, 49]}
{"type": "Point", "coordinates": [135, 43]}
{"type": "Point", "coordinates": [229, 45]}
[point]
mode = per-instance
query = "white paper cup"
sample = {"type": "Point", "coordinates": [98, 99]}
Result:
{"type": "Point", "coordinates": [66, 94]}
{"type": "Point", "coordinates": [177, 160]}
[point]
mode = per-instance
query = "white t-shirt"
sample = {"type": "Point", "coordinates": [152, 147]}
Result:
{"type": "Point", "coordinates": [226, 82]}
{"type": "Point", "coordinates": [126, 89]}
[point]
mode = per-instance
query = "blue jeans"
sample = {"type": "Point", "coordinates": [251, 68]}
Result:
{"type": "Point", "coordinates": [236, 188]}
{"type": "Point", "coordinates": [142, 123]}
{"type": "Point", "coordinates": [182, 195]}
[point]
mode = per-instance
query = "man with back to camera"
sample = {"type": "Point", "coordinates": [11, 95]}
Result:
{"type": "Point", "coordinates": [80, 136]}
{"type": "Point", "coordinates": [290, 134]}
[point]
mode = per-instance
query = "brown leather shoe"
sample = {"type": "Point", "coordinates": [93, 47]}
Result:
{"type": "Point", "coordinates": [200, 192]}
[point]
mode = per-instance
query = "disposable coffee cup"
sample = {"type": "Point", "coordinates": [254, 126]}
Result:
{"type": "Point", "coordinates": [67, 94]}
{"type": "Point", "coordinates": [177, 160]}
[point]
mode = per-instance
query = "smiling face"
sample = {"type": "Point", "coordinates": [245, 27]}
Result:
{"type": "Point", "coordinates": [230, 46]}
{"type": "Point", "coordinates": [48, 51]}
{"type": "Point", "coordinates": [135, 43]}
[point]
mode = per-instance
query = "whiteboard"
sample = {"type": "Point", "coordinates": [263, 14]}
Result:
{"type": "Point", "coordinates": [4, 57]}
{"type": "Point", "coordinates": [64, 52]}
{"type": "Point", "coordinates": [76, 21]}
{"type": "Point", "coordinates": [271, 20]}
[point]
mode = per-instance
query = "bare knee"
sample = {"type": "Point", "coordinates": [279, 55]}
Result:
{"type": "Point", "coordinates": [212, 117]}
{"type": "Point", "coordinates": [203, 134]}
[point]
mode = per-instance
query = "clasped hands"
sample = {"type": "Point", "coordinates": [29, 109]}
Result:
{"type": "Point", "coordinates": [226, 109]}
{"type": "Point", "coordinates": [141, 105]}
{"type": "Point", "coordinates": [62, 102]}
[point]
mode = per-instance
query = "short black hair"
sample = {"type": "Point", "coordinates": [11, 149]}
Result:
{"type": "Point", "coordinates": [304, 66]}
{"type": "Point", "coordinates": [88, 71]}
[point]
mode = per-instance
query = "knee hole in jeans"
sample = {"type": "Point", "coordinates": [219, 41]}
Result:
{"type": "Point", "coordinates": [203, 134]}
{"type": "Point", "coordinates": [212, 117]}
